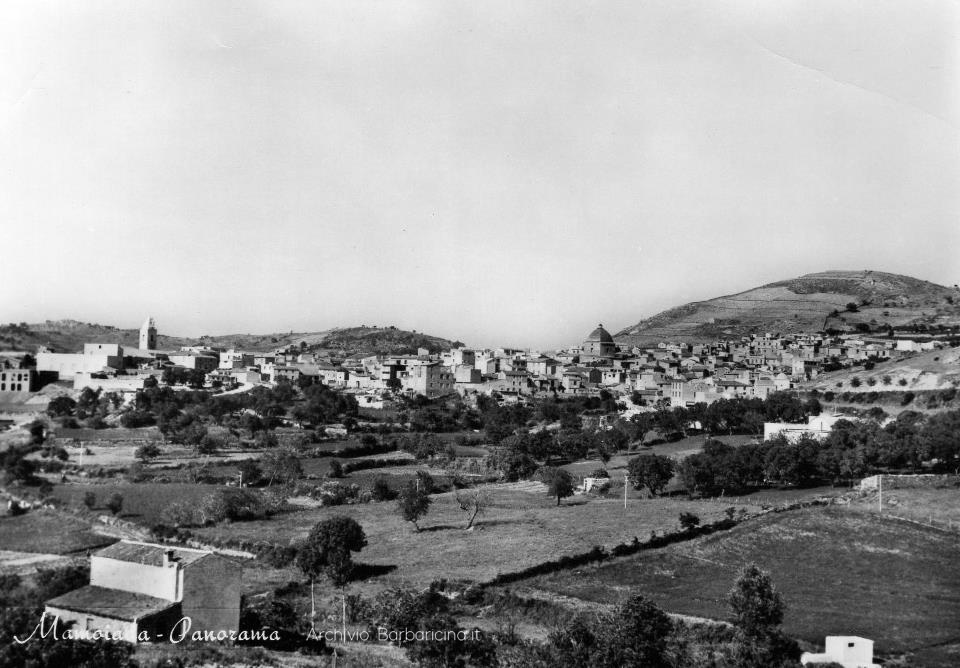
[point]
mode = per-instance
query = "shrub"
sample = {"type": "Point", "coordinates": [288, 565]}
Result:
{"type": "Point", "coordinates": [907, 398]}
{"type": "Point", "coordinates": [90, 500]}
{"type": "Point", "coordinates": [336, 469]}
{"type": "Point", "coordinates": [115, 503]}
{"type": "Point", "coordinates": [209, 444]}
{"type": "Point", "coordinates": [135, 472]}
{"type": "Point", "coordinates": [336, 494]}
{"type": "Point", "coordinates": [137, 418]}
{"type": "Point", "coordinates": [902, 382]}
{"type": "Point", "coordinates": [381, 490]}
{"type": "Point", "coordinates": [147, 451]}
{"type": "Point", "coordinates": [855, 382]}
{"type": "Point", "coordinates": [182, 514]}
{"type": "Point", "coordinates": [689, 521]}
{"type": "Point", "coordinates": [96, 422]}
{"type": "Point", "coordinates": [236, 505]}
{"type": "Point", "coordinates": [250, 473]}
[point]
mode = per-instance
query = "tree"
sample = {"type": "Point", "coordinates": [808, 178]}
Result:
{"type": "Point", "coordinates": [689, 521]}
{"type": "Point", "coordinates": [250, 472]}
{"type": "Point", "coordinates": [281, 465]}
{"type": "Point", "coordinates": [559, 482]}
{"type": "Point", "coordinates": [336, 469]}
{"type": "Point", "coordinates": [475, 503]}
{"type": "Point", "coordinates": [756, 605]}
{"type": "Point", "coordinates": [326, 551]}
{"type": "Point", "coordinates": [414, 502]}
{"type": "Point", "coordinates": [381, 490]}
{"type": "Point", "coordinates": [38, 432]}
{"type": "Point", "coordinates": [61, 406]}
{"type": "Point", "coordinates": [650, 471]}
{"type": "Point", "coordinates": [784, 407]}
{"type": "Point", "coordinates": [757, 609]}
{"type": "Point", "coordinates": [115, 503]}
{"type": "Point", "coordinates": [636, 634]}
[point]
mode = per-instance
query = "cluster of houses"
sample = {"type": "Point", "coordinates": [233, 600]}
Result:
{"type": "Point", "coordinates": [668, 374]}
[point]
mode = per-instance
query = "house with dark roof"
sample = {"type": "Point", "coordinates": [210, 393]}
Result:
{"type": "Point", "coordinates": [142, 588]}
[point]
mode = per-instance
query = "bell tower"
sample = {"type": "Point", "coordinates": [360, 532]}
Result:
{"type": "Point", "coordinates": [148, 335]}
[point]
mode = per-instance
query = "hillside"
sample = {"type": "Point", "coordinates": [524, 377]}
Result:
{"type": "Point", "coordinates": [70, 335]}
{"type": "Point", "coordinates": [369, 340]}
{"type": "Point", "coordinates": [812, 302]}
{"type": "Point", "coordinates": [932, 370]}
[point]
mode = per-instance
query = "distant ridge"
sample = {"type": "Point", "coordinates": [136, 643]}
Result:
{"type": "Point", "coordinates": [70, 335]}
{"type": "Point", "coordinates": [812, 302]}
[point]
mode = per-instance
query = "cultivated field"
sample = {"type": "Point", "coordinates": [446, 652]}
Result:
{"type": "Point", "coordinates": [523, 527]}
{"type": "Point", "coordinates": [48, 533]}
{"type": "Point", "coordinates": [840, 572]}
{"type": "Point", "coordinates": [142, 502]}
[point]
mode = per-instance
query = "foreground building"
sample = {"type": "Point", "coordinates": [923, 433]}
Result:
{"type": "Point", "coordinates": [848, 651]}
{"type": "Point", "coordinates": [138, 588]}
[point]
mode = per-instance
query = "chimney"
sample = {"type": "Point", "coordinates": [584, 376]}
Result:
{"type": "Point", "coordinates": [168, 558]}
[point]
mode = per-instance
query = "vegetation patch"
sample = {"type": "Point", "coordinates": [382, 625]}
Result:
{"type": "Point", "coordinates": [49, 533]}
{"type": "Point", "coordinates": [839, 571]}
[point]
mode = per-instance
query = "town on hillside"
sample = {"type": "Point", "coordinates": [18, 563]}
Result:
{"type": "Point", "coordinates": [668, 374]}
{"type": "Point", "coordinates": [741, 500]}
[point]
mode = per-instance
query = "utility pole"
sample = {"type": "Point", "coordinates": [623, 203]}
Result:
{"type": "Point", "coordinates": [626, 481]}
{"type": "Point", "coordinates": [880, 497]}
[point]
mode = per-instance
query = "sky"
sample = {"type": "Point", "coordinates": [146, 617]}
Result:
{"type": "Point", "coordinates": [505, 173]}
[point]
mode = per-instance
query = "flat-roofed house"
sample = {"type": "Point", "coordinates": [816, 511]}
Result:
{"type": "Point", "coordinates": [142, 587]}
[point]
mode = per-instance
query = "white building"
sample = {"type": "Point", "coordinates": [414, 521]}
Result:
{"type": "Point", "coordinates": [818, 427]}
{"type": "Point", "coordinates": [136, 587]}
{"type": "Point", "coordinates": [848, 651]}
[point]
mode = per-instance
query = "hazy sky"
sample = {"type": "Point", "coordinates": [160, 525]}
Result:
{"type": "Point", "coordinates": [505, 173]}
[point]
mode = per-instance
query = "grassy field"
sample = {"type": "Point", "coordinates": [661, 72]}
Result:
{"type": "Point", "coordinates": [48, 533]}
{"type": "Point", "coordinates": [840, 572]}
{"type": "Point", "coordinates": [676, 450]}
{"type": "Point", "coordinates": [142, 502]}
{"type": "Point", "coordinates": [939, 507]}
{"type": "Point", "coordinates": [523, 527]}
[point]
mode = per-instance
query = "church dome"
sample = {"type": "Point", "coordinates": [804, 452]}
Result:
{"type": "Point", "coordinates": [601, 335]}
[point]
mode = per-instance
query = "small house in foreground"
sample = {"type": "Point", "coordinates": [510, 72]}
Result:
{"type": "Point", "coordinates": [141, 587]}
{"type": "Point", "coordinates": [848, 651]}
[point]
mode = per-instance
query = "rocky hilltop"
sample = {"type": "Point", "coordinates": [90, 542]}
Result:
{"type": "Point", "coordinates": [841, 300]}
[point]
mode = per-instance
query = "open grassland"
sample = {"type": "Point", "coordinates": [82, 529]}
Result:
{"type": "Point", "coordinates": [522, 528]}
{"type": "Point", "coordinates": [939, 507]}
{"type": "Point", "coordinates": [142, 502]}
{"type": "Point", "coordinates": [840, 572]}
{"type": "Point", "coordinates": [48, 533]}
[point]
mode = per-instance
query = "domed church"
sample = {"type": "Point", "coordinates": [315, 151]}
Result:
{"type": "Point", "coordinates": [598, 344]}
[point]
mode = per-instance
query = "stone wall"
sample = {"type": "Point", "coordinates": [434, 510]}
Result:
{"type": "Point", "coordinates": [917, 481]}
